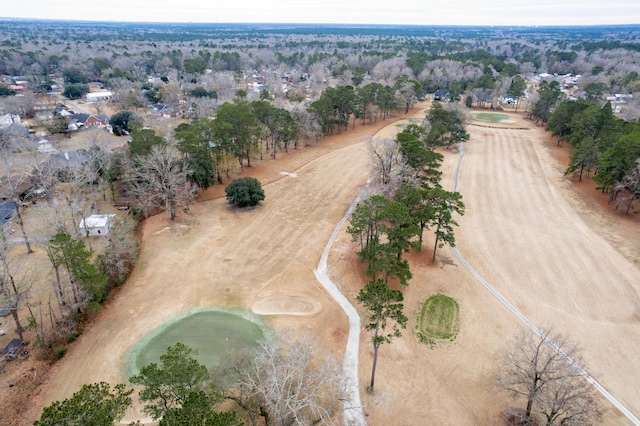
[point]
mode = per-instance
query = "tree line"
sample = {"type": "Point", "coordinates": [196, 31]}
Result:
{"type": "Point", "coordinates": [335, 106]}
{"type": "Point", "coordinates": [600, 144]}
{"type": "Point", "coordinates": [388, 226]}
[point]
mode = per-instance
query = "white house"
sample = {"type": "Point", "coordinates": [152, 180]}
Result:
{"type": "Point", "coordinates": [97, 224]}
{"type": "Point", "coordinates": [99, 96]}
{"type": "Point", "coordinates": [7, 120]}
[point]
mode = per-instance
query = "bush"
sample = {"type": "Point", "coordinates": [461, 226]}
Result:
{"type": "Point", "coordinates": [59, 352]}
{"type": "Point", "coordinates": [73, 336]}
{"type": "Point", "coordinates": [245, 191]}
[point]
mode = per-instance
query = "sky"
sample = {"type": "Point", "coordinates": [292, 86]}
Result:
{"type": "Point", "coordinates": [404, 12]}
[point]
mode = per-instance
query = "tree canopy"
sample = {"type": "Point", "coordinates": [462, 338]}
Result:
{"type": "Point", "coordinates": [75, 91]}
{"type": "Point", "coordinates": [169, 385]}
{"type": "Point", "coordinates": [121, 122]}
{"type": "Point", "coordinates": [244, 192]}
{"type": "Point", "coordinates": [384, 305]}
{"type": "Point", "coordinates": [95, 404]}
{"type": "Point", "coordinates": [540, 369]}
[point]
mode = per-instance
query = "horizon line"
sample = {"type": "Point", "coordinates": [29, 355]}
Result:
{"type": "Point", "coordinates": [328, 24]}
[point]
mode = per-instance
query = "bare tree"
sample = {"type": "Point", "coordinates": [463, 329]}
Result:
{"type": "Point", "coordinates": [307, 125]}
{"type": "Point", "coordinates": [12, 189]}
{"type": "Point", "coordinates": [388, 164]}
{"type": "Point", "coordinates": [159, 180]}
{"type": "Point", "coordinates": [98, 107]}
{"type": "Point", "coordinates": [630, 184]}
{"type": "Point", "coordinates": [282, 382]}
{"type": "Point", "coordinates": [12, 293]}
{"type": "Point", "coordinates": [541, 369]}
{"type": "Point", "coordinates": [121, 252]}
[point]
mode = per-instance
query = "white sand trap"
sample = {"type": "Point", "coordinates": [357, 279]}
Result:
{"type": "Point", "coordinates": [293, 175]}
{"type": "Point", "coordinates": [286, 305]}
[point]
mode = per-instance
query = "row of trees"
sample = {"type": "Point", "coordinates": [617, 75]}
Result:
{"type": "Point", "coordinates": [387, 227]}
{"type": "Point", "coordinates": [336, 106]}
{"type": "Point", "coordinates": [240, 132]}
{"type": "Point", "coordinates": [602, 144]}
{"type": "Point", "coordinates": [281, 382]}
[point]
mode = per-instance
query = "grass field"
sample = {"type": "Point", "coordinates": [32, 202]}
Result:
{"type": "Point", "coordinates": [439, 319]}
{"type": "Point", "coordinates": [490, 117]}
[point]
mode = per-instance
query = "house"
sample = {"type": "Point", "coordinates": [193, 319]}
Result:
{"type": "Point", "coordinates": [164, 110]}
{"type": "Point", "coordinates": [44, 146]}
{"type": "Point", "coordinates": [101, 96]}
{"type": "Point", "coordinates": [20, 187]}
{"type": "Point", "coordinates": [14, 131]}
{"type": "Point", "coordinates": [441, 95]}
{"type": "Point", "coordinates": [7, 120]}
{"type": "Point", "coordinates": [65, 164]}
{"type": "Point", "coordinates": [63, 110]}
{"type": "Point", "coordinates": [87, 120]}
{"type": "Point", "coordinates": [7, 210]}
{"type": "Point", "coordinates": [485, 100]}
{"type": "Point", "coordinates": [622, 98]}
{"type": "Point", "coordinates": [97, 224]}
{"type": "Point", "coordinates": [12, 350]}
{"type": "Point", "coordinates": [508, 99]}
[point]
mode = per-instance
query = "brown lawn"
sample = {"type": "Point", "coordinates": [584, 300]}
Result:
{"type": "Point", "coordinates": [561, 258]}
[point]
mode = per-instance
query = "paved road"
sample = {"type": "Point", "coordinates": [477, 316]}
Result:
{"type": "Point", "coordinates": [74, 105]}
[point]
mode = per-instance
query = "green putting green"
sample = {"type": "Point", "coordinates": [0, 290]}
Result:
{"type": "Point", "coordinates": [491, 117]}
{"type": "Point", "coordinates": [213, 332]}
{"type": "Point", "coordinates": [439, 319]}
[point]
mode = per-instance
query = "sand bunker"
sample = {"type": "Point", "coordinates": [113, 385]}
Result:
{"type": "Point", "coordinates": [293, 175]}
{"type": "Point", "coordinates": [286, 305]}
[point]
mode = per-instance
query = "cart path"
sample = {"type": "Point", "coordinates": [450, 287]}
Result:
{"type": "Point", "coordinates": [353, 414]}
{"type": "Point", "coordinates": [627, 413]}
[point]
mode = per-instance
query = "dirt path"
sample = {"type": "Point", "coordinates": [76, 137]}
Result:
{"type": "Point", "coordinates": [524, 231]}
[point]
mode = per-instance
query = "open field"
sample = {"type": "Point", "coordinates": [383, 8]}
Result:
{"type": "Point", "coordinates": [525, 231]}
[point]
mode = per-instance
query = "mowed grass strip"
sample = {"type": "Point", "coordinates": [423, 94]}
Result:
{"type": "Point", "coordinates": [439, 319]}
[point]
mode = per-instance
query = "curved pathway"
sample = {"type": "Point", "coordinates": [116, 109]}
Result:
{"type": "Point", "coordinates": [628, 414]}
{"type": "Point", "coordinates": [353, 413]}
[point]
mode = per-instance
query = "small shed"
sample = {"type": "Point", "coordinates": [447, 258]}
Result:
{"type": "Point", "coordinates": [97, 224]}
